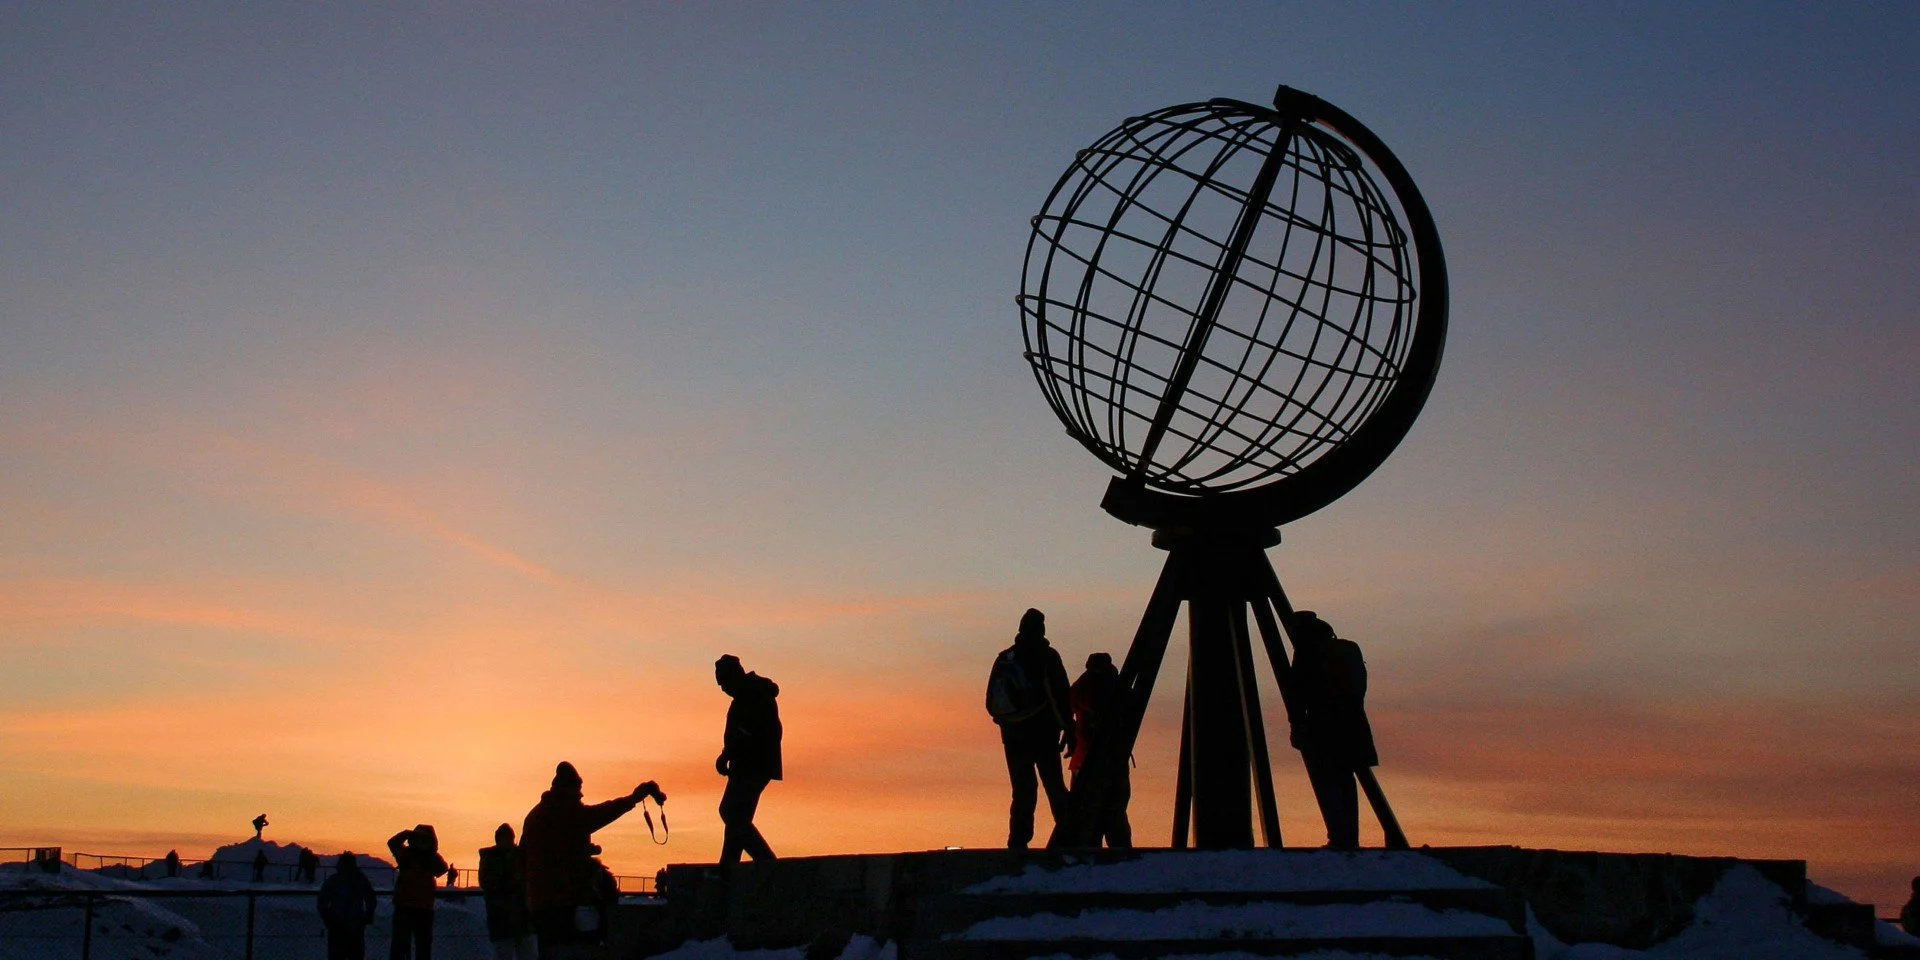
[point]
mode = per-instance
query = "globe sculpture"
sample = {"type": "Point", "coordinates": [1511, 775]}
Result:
{"type": "Point", "coordinates": [1240, 310]}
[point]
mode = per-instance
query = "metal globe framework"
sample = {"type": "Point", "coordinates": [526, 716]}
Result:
{"type": "Point", "coordinates": [1218, 295]}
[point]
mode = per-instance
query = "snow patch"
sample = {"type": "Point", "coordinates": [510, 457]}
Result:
{"type": "Point", "coordinates": [1745, 917]}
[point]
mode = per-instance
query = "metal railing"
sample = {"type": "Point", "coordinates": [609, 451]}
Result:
{"type": "Point", "coordinates": [240, 924]}
{"type": "Point", "coordinates": [126, 867]}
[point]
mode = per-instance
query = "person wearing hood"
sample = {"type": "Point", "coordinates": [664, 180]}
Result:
{"type": "Point", "coordinates": [1027, 696]}
{"type": "Point", "coordinates": [557, 850]}
{"type": "Point", "coordinates": [1096, 702]}
{"type": "Point", "coordinates": [1328, 715]}
{"type": "Point", "coordinates": [749, 757]}
{"type": "Point", "coordinates": [503, 886]}
{"type": "Point", "coordinates": [346, 906]}
{"type": "Point", "coordinates": [417, 863]}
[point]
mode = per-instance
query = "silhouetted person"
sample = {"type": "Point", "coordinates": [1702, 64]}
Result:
{"type": "Point", "coordinates": [1027, 695]}
{"type": "Point", "coordinates": [259, 865]}
{"type": "Point", "coordinates": [417, 863]}
{"type": "Point", "coordinates": [1910, 914]}
{"type": "Point", "coordinates": [453, 876]}
{"type": "Point", "coordinates": [1095, 698]}
{"type": "Point", "coordinates": [503, 886]}
{"type": "Point", "coordinates": [1329, 719]}
{"type": "Point", "coordinates": [749, 757]}
{"type": "Point", "coordinates": [207, 870]}
{"type": "Point", "coordinates": [346, 909]}
{"type": "Point", "coordinates": [172, 863]}
{"type": "Point", "coordinates": [556, 843]}
{"type": "Point", "coordinates": [259, 825]}
{"type": "Point", "coordinates": [308, 866]}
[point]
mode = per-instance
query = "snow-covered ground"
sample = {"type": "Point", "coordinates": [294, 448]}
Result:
{"type": "Point", "coordinates": [1745, 917]}
{"type": "Point", "coordinates": [205, 920]}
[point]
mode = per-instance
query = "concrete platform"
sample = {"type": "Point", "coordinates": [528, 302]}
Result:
{"type": "Point", "coordinates": [922, 901]}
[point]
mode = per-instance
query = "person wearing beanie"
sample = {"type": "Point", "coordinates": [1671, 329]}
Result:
{"type": "Point", "coordinates": [1027, 697]}
{"type": "Point", "coordinates": [503, 888]}
{"type": "Point", "coordinates": [557, 849]}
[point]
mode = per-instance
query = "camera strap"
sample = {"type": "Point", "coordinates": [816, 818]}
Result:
{"type": "Point", "coordinates": [659, 839]}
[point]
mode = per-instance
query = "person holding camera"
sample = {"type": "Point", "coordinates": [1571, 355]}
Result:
{"type": "Point", "coordinates": [557, 850]}
{"type": "Point", "coordinates": [749, 757]}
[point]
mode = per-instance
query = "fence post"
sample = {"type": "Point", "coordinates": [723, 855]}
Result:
{"type": "Point", "coordinates": [86, 932]}
{"type": "Point", "coordinates": [251, 897]}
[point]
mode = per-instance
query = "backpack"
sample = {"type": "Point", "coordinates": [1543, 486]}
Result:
{"type": "Point", "coordinates": [1012, 694]}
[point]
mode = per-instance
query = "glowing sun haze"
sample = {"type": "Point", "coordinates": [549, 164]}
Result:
{"type": "Point", "coordinates": [394, 403]}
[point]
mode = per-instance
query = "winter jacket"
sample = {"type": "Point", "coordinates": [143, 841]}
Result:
{"type": "Point", "coordinates": [752, 740]}
{"type": "Point", "coordinates": [1329, 708]}
{"type": "Point", "coordinates": [346, 900]}
{"type": "Point", "coordinates": [556, 848]}
{"type": "Point", "coordinates": [503, 884]}
{"type": "Point", "coordinates": [1095, 697]}
{"type": "Point", "coordinates": [416, 868]}
{"type": "Point", "coordinates": [1037, 658]}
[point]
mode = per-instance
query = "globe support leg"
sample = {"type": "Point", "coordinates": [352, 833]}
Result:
{"type": "Point", "coordinates": [1222, 804]}
{"type": "Point", "coordinates": [1256, 727]}
{"type": "Point", "coordinates": [1183, 776]}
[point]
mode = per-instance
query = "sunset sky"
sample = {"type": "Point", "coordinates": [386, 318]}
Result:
{"type": "Point", "coordinates": [396, 400]}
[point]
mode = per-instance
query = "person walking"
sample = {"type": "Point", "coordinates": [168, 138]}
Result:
{"type": "Point", "coordinates": [749, 758]}
{"type": "Point", "coordinates": [1095, 698]}
{"type": "Point", "coordinates": [557, 851]}
{"type": "Point", "coordinates": [346, 909]}
{"type": "Point", "coordinates": [503, 888]}
{"type": "Point", "coordinates": [417, 862]}
{"type": "Point", "coordinates": [1329, 723]}
{"type": "Point", "coordinates": [1027, 696]}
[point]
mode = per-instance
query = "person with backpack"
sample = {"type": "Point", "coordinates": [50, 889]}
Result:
{"type": "Point", "coordinates": [417, 862]}
{"type": "Point", "coordinates": [1096, 699]}
{"type": "Point", "coordinates": [749, 758]}
{"type": "Point", "coordinates": [1329, 722]}
{"type": "Point", "coordinates": [1027, 698]}
{"type": "Point", "coordinates": [346, 909]}
{"type": "Point", "coordinates": [503, 887]}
